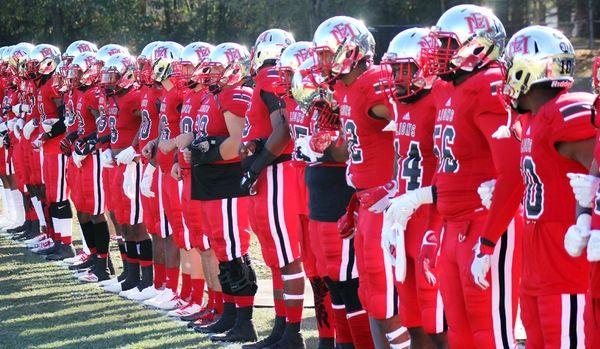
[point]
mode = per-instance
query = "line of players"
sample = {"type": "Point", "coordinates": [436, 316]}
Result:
{"type": "Point", "coordinates": [394, 188]}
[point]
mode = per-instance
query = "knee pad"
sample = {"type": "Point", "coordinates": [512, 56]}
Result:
{"type": "Point", "coordinates": [224, 277]}
{"type": "Point", "coordinates": [61, 210]}
{"type": "Point", "coordinates": [349, 293]}
{"type": "Point", "coordinates": [242, 278]}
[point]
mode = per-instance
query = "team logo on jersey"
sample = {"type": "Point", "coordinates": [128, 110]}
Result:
{"type": "Point", "coordinates": [519, 45]}
{"type": "Point", "coordinates": [477, 21]}
{"type": "Point", "coordinates": [343, 31]}
{"type": "Point", "coordinates": [449, 102]}
{"type": "Point", "coordinates": [406, 116]}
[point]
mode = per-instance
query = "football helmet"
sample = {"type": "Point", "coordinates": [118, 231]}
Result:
{"type": "Point", "coordinates": [106, 51]}
{"type": "Point", "coordinates": [228, 64]}
{"type": "Point", "coordinates": [269, 46]}
{"type": "Point", "coordinates": [18, 58]}
{"type": "Point", "coordinates": [118, 73]}
{"type": "Point", "coordinates": [466, 37]}
{"type": "Point", "coordinates": [163, 56]}
{"type": "Point", "coordinates": [43, 60]}
{"type": "Point", "coordinates": [403, 64]}
{"type": "Point", "coordinates": [84, 70]}
{"type": "Point", "coordinates": [596, 75]}
{"type": "Point", "coordinates": [144, 64]}
{"type": "Point", "coordinates": [534, 55]}
{"type": "Point", "coordinates": [78, 47]}
{"type": "Point", "coordinates": [340, 44]}
{"type": "Point", "coordinates": [191, 57]}
{"type": "Point", "coordinates": [291, 58]}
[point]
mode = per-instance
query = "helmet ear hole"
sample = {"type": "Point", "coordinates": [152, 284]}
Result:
{"type": "Point", "coordinates": [519, 74]}
{"type": "Point", "coordinates": [536, 48]}
{"type": "Point", "coordinates": [478, 50]}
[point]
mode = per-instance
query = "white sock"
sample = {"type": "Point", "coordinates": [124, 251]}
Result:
{"type": "Point", "coordinates": [63, 226]}
{"type": "Point", "coordinates": [19, 207]}
{"type": "Point", "coordinates": [39, 211]}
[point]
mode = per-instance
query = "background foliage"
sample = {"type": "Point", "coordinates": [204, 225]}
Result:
{"type": "Point", "coordinates": [136, 22]}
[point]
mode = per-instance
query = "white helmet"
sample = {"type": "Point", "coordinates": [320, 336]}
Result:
{"type": "Point", "coordinates": [144, 63]}
{"type": "Point", "coordinates": [78, 47]}
{"type": "Point", "coordinates": [163, 56]}
{"type": "Point", "coordinates": [192, 55]}
{"type": "Point", "coordinates": [19, 55]}
{"type": "Point", "coordinates": [118, 72]}
{"type": "Point", "coordinates": [405, 73]}
{"type": "Point", "coordinates": [535, 55]}
{"type": "Point", "coordinates": [43, 60]}
{"type": "Point", "coordinates": [84, 69]}
{"type": "Point", "coordinates": [291, 59]}
{"type": "Point", "coordinates": [106, 51]}
{"type": "Point", "coordinates": [341, 43]}
{"type": "Point", "coordinates": [227, 64]}
{"type": "Point", "coordinates": [469, 38]}
{"type": "Point", "coordinates": [268, 47]}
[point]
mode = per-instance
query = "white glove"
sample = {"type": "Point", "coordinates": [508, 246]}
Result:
{"type": "Point", "coordinates": [577, 236]}
{"type": "Point", "coordinates": [593, 247]}
{"type": "Point", "coordinates": [486, 192]}
{"type": "Point", "coordinates": [37, 144]}
{"type": "Point", "coordinates": [48, 123]}
{"type": "Point", "coordinates": [392, 243]}
{"type": "Point", "coordinates": [29, 128]}
{"type": "Point", "coordinates": [377, 199]}
{"type": "Point", "coordinates": [146, 185]}
{"type": "Point", "coordinates": [77, 159]}
{"type": "Point", "coordinates": [16, 109]}
{"type": "Point", "coordinates": [10, 124]}
{"type": "Point", "coordinates": [303, 146]}
{"type": "Point", "coordinates": [129, 181]}
{"type": "Point", "coordinates": [480, 267]}
{"type": "Point", "coordinates": [584, 187]}
{"type": "Point", "coordinates": [126, 156]}
{"type": "Point", "coordinates": [18, 127]}
{"type": "Point", "coordinates": [106, 158]}
{"type": "Point", "coordinates": [3, 126]}
{"type": "Point", "coordinates": [403, 206]}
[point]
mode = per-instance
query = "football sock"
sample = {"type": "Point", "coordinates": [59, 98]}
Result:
{"type": "Point", "coordinates": [173, 278]}
{"type": "Point", "coordinates": [160, 275]}
{"type": "Point", "coordinates": [198, 291]}
{"type": "Point", "coordinates": [88, 233]}
{"type": "Point", "coordinates": [278, 286]}
{"type": "Point", "coordinates": [144, 249]}
{"type": "Point", "coordinates": [186, 286]}
{"type": "Point", "coordinates": [101, 240]}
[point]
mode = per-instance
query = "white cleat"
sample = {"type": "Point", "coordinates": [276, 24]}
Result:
{"type": "Point", "coordinates": [145, 294]}
{"type": "Point", "coordinates": [81, 257]}
{"type": "Point", "coordinates": [108, 282]}
{"type": "Point", "coordinates": [125, 294]}
{"type": "Point", "coordinates": [174, 303]}
{"type": "Point", "coordinates": [187, 310]}
{"type": "Point", "coordinates": [45, 241]}
{"type": "Point", "coordinates": [162, 296]}
{"type": "Point", "coordinates": [35, 240]}
{"type": "Point", "coordinates": [42, 246]}
{"type": "Point", "coordinates": [113, 288]}
{"type": "Point", "coordinates": [88, 277]}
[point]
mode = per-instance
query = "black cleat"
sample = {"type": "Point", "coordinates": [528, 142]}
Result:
{"type": "Point", "coordinates": [291, 339]}
{"type": "Point", "coordinates": [242, 331]}
{"type": "Point", "coordinates": [225, 322]}
{"type": "Point", "coordinates": [64, 251]}
{"type": "Point", "coordinates": [274, 337]}
{"type": "Point", "coordinates": [49, 250]}
{"type": "Point", "coordinates": [87, 264]}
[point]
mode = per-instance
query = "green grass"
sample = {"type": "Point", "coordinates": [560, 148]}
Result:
{"type": "Point", "coordinates": [43, 306]}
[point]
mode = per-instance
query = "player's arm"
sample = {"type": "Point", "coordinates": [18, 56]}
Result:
{"type": "Point", "coordinates": [509, 187]}
{"type": "Point", "coordinates": [168, 145]}
{"type": "Point", "coordinates": [59, 127]}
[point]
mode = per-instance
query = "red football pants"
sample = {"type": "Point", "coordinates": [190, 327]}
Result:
{"type": "Point", "coordinates": [55, 175]}
{"type": "Point", "coordinates": [151, 209]}
{"type": "Point", "coordinates": [592, 322]}
{"type": "Point", "coordinates": [128, 210]}
{"type": "Point", "coordinates": [88, 184]}
{"type": "Point", "coordinates": [226, 223]}
{"type": "Point", "coordinates": [478, 318]}
{"type": "Point", "coordinates": [335, 256]}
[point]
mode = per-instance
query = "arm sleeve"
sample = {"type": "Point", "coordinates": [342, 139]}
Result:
{"type": "Point", "coordinates": [272, 102]}
{"type": "Point", "coordinates": [509, 185]}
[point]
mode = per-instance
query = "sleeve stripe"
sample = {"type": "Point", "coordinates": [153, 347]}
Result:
{"type": "Point", "coordinates": [574, 108]}
{"type": "Point", "coordinates": [577, 115]}
{"type": "Point", "coordinates": [494, 86]}
{"type": "Point", "coordinates": [241, 97]}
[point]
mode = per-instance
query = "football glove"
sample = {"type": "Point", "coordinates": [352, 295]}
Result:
{"type": "Point", "coordinates": [106, 158]}
{"type": "Point", "coordinates": [486, 192]}
{"type": "Point", "coordinates": [19, 123]}
{"type": "Point", "coordinates": [248, 182]}
{"type": "Point", "coordinates": [146, 185]}
{"type": "Point", "coordinates": [37, 143]}
{"type": "Point", "coordinates": [378, 199]}
{"type": "Point", "coordinates": [85, 146]}
{"type": "Point", "coordinates": [321, 140]}
{"type": "Point", "coordinates": [593, 247]}
{"type": "Point", "coordinates": [584, 187]}
{"type": "Point", "coordinates": [10, 124]}
{"type": "Point", "coordinates": [302, 146]}
{"type": "Point", "coordinates": [347, 223]}
{"type": "Point", "coordinates": [428, 256]}
{"type": "Point", "coordinates": [577, 236]}
{"type": "Point", "coordinates": [394, 250]}
{"type": "Point", "coordinates": [480, 267]}
{"type": "Point", "coordinates": [77, 159]}
{"type": "Point", "coordinates": [403, 206]}
{"type": "Point", "coordinates": [126, 156]}
{"type": "Point", "coordinates": [48, 123]}
{"type": "Point", "coordinates": [29, 128]}
{"type": "Point", "coordinates": [129, 181]}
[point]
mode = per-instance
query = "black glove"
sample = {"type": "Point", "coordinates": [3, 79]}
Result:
{"type": "Point", "coordinates": [67, 143]}
{"type": "Point", "coordinates": [248, 182]}
{"type": "Point", "coordinates": [85, 146]}
{"type": "Point", "coordinates": [259, 146]}
{"type": "Point", "coordinates": [206, 150]}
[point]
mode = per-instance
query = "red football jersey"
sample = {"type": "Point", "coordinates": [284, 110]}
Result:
{"type": "Point", "coordinates": [210, 119]}
{"type": "Point", "coordinates": [11, 98]}
{"type": "Point", "coordinates": [258, 119]}
{"type": "Point", "coordinates": [102, 121]}
{"type": "Point", "coordinates": [69, 99]}
{"type": "Point", "coordinates": [371, 149]}
{"type": "Point", "coordinates": [123, 121]}
{"type": "Point", "coordinates": [47, 109]}
{"type": "Point", "coordinates": [169, 118]}
{"type": "Point", "coordinates": [467, 116]}
{"type": "Point", "coordinates": [595, 266]}
{"type": "Point", "coordinates": [149, 107]}
{"type": "Point", "coordinates": [189, 109]}
{"type": "Point", "coordinates": [300, 124]}
{"type": "Point", "coordinates": [86, 101]}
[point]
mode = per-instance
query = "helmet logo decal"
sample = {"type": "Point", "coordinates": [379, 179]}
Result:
{"type": "Point", "coordinates": [83, 48]}
{"type": "Point", "coordinates": [46, 51]}
{"type": "Point", "coordinates": [160, 52]}
{"type": "Point", "coordinates": [519, 45]}
{"type": "Point", "coordinates": [202, 52]}
{"type": "Point", "coordinates": [342, 32]}
{"type": "Point", "coordinates": [232, 55]}
{"type": "Point", "coordinates": [477, 21]}
{"type": "Point", "coordinates": [301, 55]}
{"type": "Point", "coordinates": [113, 51]}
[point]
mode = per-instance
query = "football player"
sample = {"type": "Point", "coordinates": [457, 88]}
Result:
{"type": "Point", "coordinates": [408, 88]}
{"type": "Point", "coordinates": [344, 48]}
{"type": "Point", "coordinates": [480, 306]}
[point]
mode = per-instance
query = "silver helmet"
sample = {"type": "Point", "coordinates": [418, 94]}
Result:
{"type": "Point", "coordinates": [291, 59]}
{"type": "Point", "coordinates": [78, 47]}
{"type": "Point", "coordinates": [18, 57]}
{"type": "Point", "coordinates": [84, 70]}
{"type": "Point", "coordinates": [118, 72]}
{"type": "Point", "coordinates": [43, 60]}
{"type": "Point", "coordinates": [163, 57]}
{"type": "Point", "coordinates": [106, 51]}
{"type": "Point", "coordinates": [227, 64]}
{"type": "Point", "coordinates": [192, 55]}
{"type": "Point", "coordinates": [144, 63]}
{"type": "Point", "coordinates": [534, 55]}
{"type": "Point", "coordinates": [268, 47]}
{"type": "Point", "coordinates": [340, 44]}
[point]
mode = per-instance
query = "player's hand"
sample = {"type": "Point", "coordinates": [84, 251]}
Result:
{"type": "Point", "coordinates": [47, 124]}
{"type": "Point", "coordinates": [302, 146]}
{"type": "Point", "coordinates": [378, 199]}
{"type": "Point", "coordinates": [77, 159]}
{"type": "Point", "coordinates": [106, 158]}
{"type": "Point", "coordinates": [480, 267]}
{"type": "Point", "coordinates": [584, 187]}
{"type": "Point", "coordinates": [146, 184]}
{"type": "Point", "coordinates": [37, 143]}
{"type": "Point", "coordinates": [577, 236]}
{"type": "Point", "coordinates": [486, 192]}
{"type": "Point", "coordinates": [126, 156]}
{"type": "Point", "coordinates": [248, 182]}
{"type": "Point", "coordinates": [18, 127]}
{"type": "Point", "coordinates": [428, 256]}
{"type": "Point", "coordinates": [392, 243]}
{"type": "Point", "coordinates": [321, 140]}
{"type": "Point", "coordinates": [149, 149]}
{"type": "Point", "coordinates": [66, 146]}
{"type": "Point", "coordinates": [183, 140]}
{"type": "Point", "coordinates": [176, 171]}
{"type": "Point", "coordinates": [593, 247]}
{"type": "Point", "coordinates": [187, 155]}
{"type": "Point", "coordinates": [402, 207]}
{"type": "Point", "coordinates": [29, 128]}
{"type": "Point", "coordinates": [347, 223]}
{"type": "Point", "coordinates": [129, 181]}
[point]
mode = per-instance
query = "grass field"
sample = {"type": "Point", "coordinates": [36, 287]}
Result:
{"type": "Point", "coordinates": [43, 306]}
